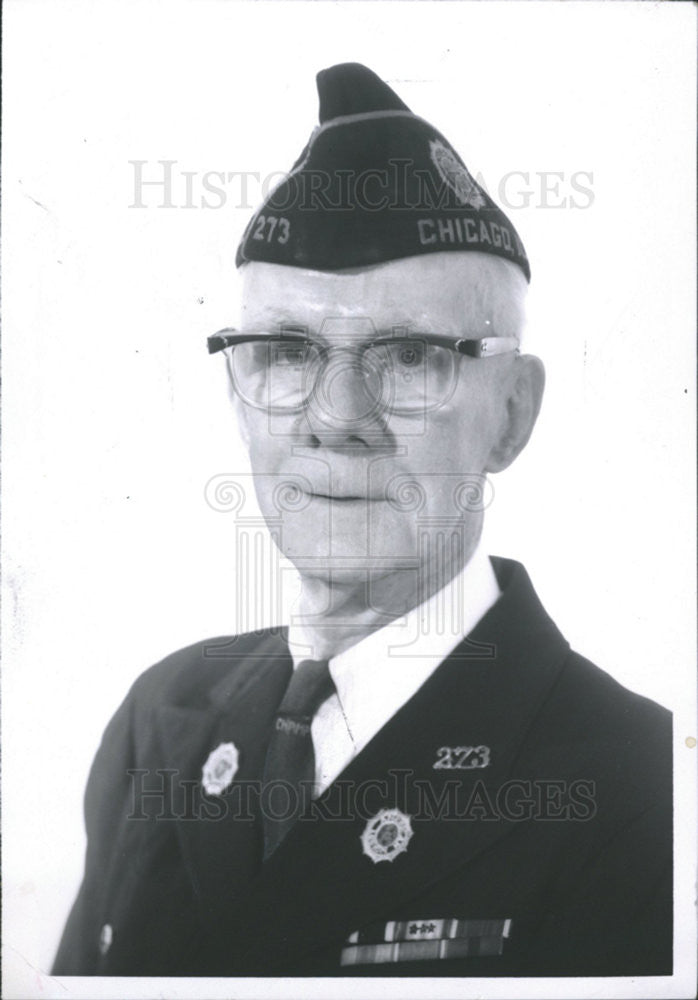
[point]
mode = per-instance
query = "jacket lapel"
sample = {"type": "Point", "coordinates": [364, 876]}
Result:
{"type": "Point", "coordinates": [319, 885]}
{"type": "Point", "coordinates": [220, 834]}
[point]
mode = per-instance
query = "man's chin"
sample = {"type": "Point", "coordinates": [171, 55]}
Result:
{"type": "Point", "coordinates": [351, 555]}
{"type": "Point", "coordinates": [341, 573]}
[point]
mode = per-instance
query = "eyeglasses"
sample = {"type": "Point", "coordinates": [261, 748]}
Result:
{"type": "Point", "coordinates": [404, 373]}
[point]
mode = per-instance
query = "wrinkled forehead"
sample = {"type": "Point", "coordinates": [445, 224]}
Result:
{"type": "Point", "coordinates": [448, 293]}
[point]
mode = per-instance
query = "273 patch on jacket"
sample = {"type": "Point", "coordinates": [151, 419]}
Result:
{"type": "Point", "coordinates": [424, 940]}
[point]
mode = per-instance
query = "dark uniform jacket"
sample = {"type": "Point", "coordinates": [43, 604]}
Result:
{"type": "Point", "coordinates": [538, 792]}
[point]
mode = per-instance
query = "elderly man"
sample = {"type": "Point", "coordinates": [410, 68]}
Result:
{"type": "Point", "coordinates": [417, 777]}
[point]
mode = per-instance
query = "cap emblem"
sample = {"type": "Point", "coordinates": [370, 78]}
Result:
{"type": "Point", "coordinates": [452, 171]}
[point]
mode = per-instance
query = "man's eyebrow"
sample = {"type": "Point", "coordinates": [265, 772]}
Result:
{"type": "Point", "coordinates": [278, 324]}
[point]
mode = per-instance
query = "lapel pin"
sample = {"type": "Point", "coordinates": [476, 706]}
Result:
{"type": "Point", "coordinates": [462, 758]}
{"type": "Point", "coordinates": [220, 768]}
{"type": "Point", "coordinates": [386, 835]}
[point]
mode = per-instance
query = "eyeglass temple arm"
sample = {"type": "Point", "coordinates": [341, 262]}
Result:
{"type": "Point", "coordinates": [477, 347]}
{"type": "Point", "coordinates": [229, 337]}
{"type": "Point", "coordinates": [483, 347]}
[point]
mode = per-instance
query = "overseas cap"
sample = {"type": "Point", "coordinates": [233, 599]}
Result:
{"type": "Point", "coordinates": [374, 183]}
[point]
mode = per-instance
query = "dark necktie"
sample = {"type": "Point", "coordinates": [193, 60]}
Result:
{"type": "Point", "coordinates": [289, 771]}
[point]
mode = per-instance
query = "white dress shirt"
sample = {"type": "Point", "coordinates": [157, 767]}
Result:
{"type": "Point", "coordinates": [375, 677]}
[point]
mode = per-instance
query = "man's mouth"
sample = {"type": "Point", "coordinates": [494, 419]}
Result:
{"type": "Point", "coordinates": [343, 497]}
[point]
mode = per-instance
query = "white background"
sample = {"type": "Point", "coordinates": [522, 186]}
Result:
{"type": "Point", "coordinates": [115, 418]}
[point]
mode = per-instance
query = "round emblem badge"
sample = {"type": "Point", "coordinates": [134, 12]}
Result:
{"type": "Point", "coordinates": [386, 835]}
{"type": "Point", "coordinates": [452, 171]}
{"type": "Point", "coordinates": [220, 768]}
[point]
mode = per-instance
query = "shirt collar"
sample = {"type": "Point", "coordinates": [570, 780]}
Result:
{"type": "Point", "coordinates": [378, 674]}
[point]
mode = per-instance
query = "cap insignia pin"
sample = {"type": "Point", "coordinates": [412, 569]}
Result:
{"type": "Point", "coordinates": [386, 835]}
{"type": "Point", "coordinates": [220, 768]}
{"type": "Point", "coordinates": [452, 171]}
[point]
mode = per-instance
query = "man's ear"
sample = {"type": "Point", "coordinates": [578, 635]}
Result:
{"type": "Point", "coordinates": [522, 409]}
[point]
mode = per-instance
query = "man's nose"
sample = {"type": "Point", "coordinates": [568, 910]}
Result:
{"type": "Point", "coordinates": [349, 392]}
{"type": "Point", "coordinates": [348, 401]}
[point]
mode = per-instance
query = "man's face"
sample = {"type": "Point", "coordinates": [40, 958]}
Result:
{"type": "Point", "coordinates": [352, 490]}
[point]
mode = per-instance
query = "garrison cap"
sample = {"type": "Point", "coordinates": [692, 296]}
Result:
{"type": "Point", "coordinates": [374, 183]}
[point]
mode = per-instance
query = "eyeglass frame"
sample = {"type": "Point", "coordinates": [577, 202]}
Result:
{"type": "Point", "coordinates": [472, 347]}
